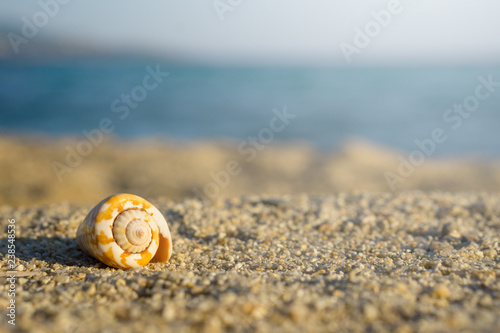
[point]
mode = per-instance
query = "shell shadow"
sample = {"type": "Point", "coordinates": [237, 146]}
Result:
{"type": "Point", "coordinates": [52, 250]}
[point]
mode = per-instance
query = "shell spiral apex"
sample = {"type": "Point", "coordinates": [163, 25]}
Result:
{"type": "Point", "coordinates": [125, 231]}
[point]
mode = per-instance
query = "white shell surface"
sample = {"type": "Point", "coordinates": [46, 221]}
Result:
{"type": "Point", "coordinates": [95, 235]}
{"type": "Point", "coordinates": [132, 231]}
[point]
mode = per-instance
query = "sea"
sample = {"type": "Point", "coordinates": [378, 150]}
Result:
{"type": "Point", "coordinates": [141, 98]}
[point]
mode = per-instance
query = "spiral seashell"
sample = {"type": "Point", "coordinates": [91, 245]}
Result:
{"type": "Point", "coordinates": [125, 231]}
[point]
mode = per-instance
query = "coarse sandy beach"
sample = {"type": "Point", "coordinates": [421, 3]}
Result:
{"type": "Point", "coordinates": [299, 241]}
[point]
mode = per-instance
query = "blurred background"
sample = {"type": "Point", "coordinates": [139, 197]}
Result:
{"type": "Point", "coordinates": [156, 99]}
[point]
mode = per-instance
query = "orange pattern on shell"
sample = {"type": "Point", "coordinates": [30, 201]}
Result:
{"type": "Point", "coordinates": [118, 202]}
{"type": "Point", "coordinates": [145, 258]}
{"type": "Point", "coordinates": [103, 239]}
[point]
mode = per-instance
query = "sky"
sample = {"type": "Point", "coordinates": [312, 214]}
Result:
{"type": "Point", "coordinates": [277, 31]}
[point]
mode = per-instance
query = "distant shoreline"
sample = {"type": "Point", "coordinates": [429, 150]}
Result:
{"type": "Point", "coordinates": [390, 106]}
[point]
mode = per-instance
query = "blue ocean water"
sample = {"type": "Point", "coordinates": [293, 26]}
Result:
{"type": "Point", "coordinates": [390, 106]}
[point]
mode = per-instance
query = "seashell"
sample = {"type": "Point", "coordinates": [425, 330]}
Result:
{"type": "Point", "coordinates": [125, 231]}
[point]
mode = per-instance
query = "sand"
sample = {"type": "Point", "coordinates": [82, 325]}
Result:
{"type": "Point", "coordinates": [350, 262]}
{"type": "Point", "coordinates": [349, 254]}
{"type": "Point", "coordinates": [155, 168]}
